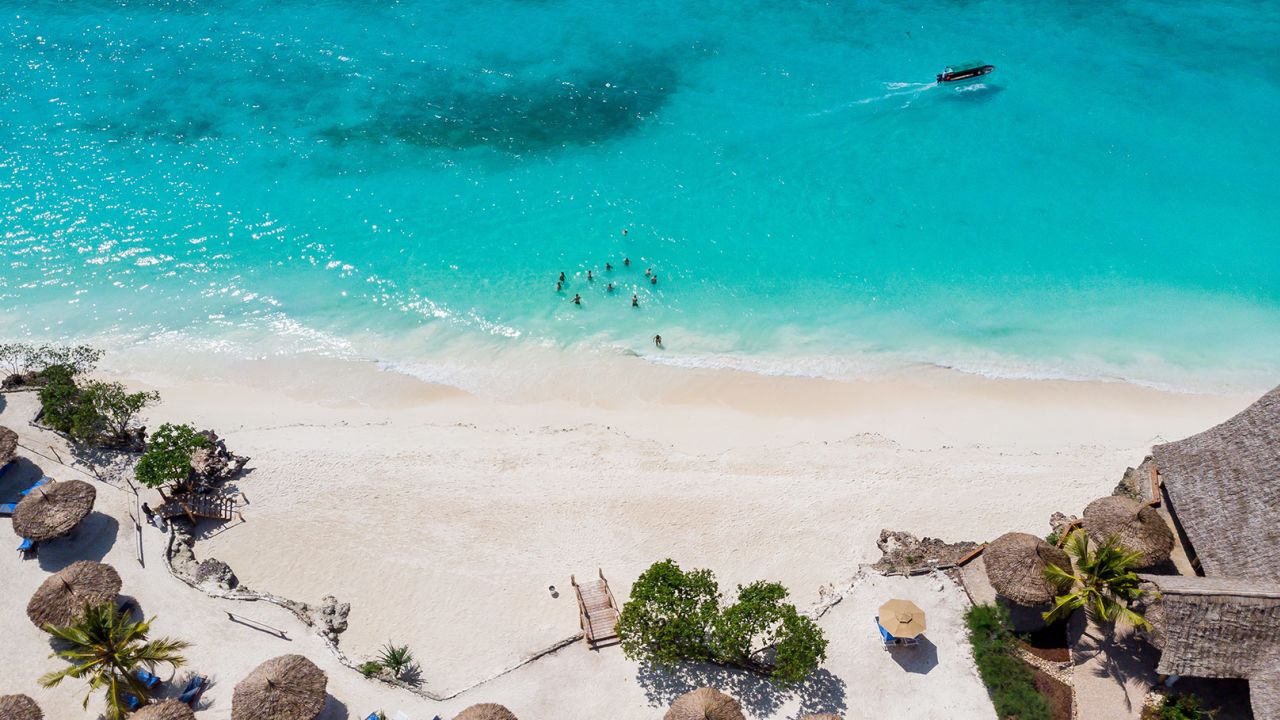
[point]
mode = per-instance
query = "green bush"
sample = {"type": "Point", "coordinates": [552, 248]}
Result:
{"type": "Point", "coordinates": [674, 616]}
{"type": "Point", "coordinates": [96, 414]}
{"type": "Point", "coordinates": [1008, 679]}
{"type": "Point", "coordinates": [1181, 707]}
{"type": "Point", "coordinates": [371, 668]}
{"type": "Point", "coordinates": [167, 461]}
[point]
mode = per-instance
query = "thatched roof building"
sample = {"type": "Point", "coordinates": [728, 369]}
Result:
{"type": "Point", "coordinates": [166, 710]}
{"type": "Point", "coordinates": [486, 711]}
{"type": "Point", "coordinates": [1015, 566]}
{"type": "Point", "coordinates": [1139, 527]}
{"type": "Point", "coordinates": [19, 707]}
{"type": "Point", "coordinates": [8, 446]}
{"type": "Point", "coordinates": [61, 598]}
{"type": "Point", "coordinates": [288, 687]}
{"type": "Point", "coordinates": [704, 704]}
{"type": "Point", "coordinates": [1222, 628]}
{"type": "Point", "coordinates": [1224, 488]}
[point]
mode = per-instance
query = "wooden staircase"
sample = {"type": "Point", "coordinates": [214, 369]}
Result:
{"type": "Point", "coordinates": [597, 611]}
{"type": "Point", "coordinates": [218, 507]}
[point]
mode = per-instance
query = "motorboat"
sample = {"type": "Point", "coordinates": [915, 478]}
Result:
{"type": "Point", "coordinates": [964, 71]}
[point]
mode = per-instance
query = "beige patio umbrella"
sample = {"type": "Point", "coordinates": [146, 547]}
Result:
{"type": "Point", "coordinates": [704, 704]}
{"type": "Point", "coordinates": [19, 707]}
{"type": "Point", "coordinates": [8, 445]}
{"type": "Point", "coordinates": [60, 600]}
{"type": "Point", "coordinates": [1137, 525]}
{"type": "Point", "coordinates": [901, 618]}
{"type": "Point", "coordinates": [1015, 566]}
{"type": "Point", "coordinates": [486, 711]}
{"type": "Point", "coordinates": [288, 687]}
{"type": "Point", "coordinates": [167, 710]}
{"type": "Point", "coordinates": [53, 510]}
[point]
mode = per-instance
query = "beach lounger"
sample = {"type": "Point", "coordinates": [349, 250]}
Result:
{"type": "Point", "coordinates": [374, 716]}
{"type": "Point", "coordinates": [42, 481]}
{"type": "Point", "coordinates": [147, 679]}
{"type": "Point", "coordinates": [7, 509]}
{"type": "Point", "coordinates": [909, 642]}
{"type": "Point", "coordinates": [132, 702]}
{"type": "Point", "coordinates": [28, 546]}
{"type": "Point", "coordinates": [889, 640]}
{"type": "Point", "coordinates": [193, 689]}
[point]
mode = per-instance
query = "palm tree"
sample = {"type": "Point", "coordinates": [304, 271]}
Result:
{"type": "Point", "coordinates": [1102, 581]}
{"type": "Point", "coordinates": [105, 647]}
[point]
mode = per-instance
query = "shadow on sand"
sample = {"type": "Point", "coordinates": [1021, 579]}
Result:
{"type": "Point", "coordinates": [91, 540]}
{"type": "Point", "coordinates": [920, 659]}
{"type": "Point", "coordinates": [821, 693]}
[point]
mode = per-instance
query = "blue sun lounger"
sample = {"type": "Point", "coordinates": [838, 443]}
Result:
{"type": "Point", "coordinates": [42, 481]}
{"type": "Point", "coordinates": [132, 702]}
{"type": "Point", "coordinates": [372, 716]}
{"type": "Point", "coordinates": [148, 680]}
{"type": "Point", "coordinates": [889, 640]}
{"type": "Point", "coordinates": [193, 689]}
{"type": "Point", "coordinates": [28, 545]}
{"type": "Point", "coordinates": [7, 509]}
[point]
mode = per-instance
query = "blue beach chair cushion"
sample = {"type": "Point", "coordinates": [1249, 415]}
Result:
{"type": "Point", "coordinates": [148, 680]}
{"type": "Point", "coordinates": [132, 702]}
{"type": "Point", "coordinates": [884, 634]}
{"type": "Point", "coordinates": [27, 544]}
{"type": "Point", "coordinates": [192, 691]}
{"type": "Point", "coordinates": [42, 481]}
{"type": "Point", "coordinates": [7, 509]}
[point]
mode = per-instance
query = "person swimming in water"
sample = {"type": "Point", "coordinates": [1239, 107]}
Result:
{"type": "Point", "coordinates": [608, 267]}
{"type": "Point", "coordinates": [657, 341]}
{"type": "Point", "coordinates": [648, 272]}
{"type": "Point", "coordinates": [610, 288]}
{"type": "Point", "coordinates": [559, 286]}
{"type": "Point", "coordinates": [590, 277]}
{"type": "Point", "coordinates": [635, 301]}
{"type": "Point", "coordinates": [624, 231]}
{"type": "Point", "coordinates": [626, 261]}
{"type": "Point", "coordinates": [561, 276]}
{"type": "Point", "coordinates": [577, 299]}
{"type": "Point", "coordinates": [653, 280]}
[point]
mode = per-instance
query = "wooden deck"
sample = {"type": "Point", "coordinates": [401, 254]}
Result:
{"type": "Point", "coordinates": [218, 507]}
{"type": "Point", "coordinates": [597, 611]}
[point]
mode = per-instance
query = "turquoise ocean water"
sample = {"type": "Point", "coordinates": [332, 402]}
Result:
{"type": "Point", "coordinates": [403, 181]}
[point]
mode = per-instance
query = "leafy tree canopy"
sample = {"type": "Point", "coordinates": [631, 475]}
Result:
{"type": "Point", "coordinates": [1102, 581]}
{"type": "Point", "coordinates": [167, 460]}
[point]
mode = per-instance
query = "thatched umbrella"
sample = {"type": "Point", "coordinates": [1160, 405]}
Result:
{"type": "Point", "coordinates": [167, 710]}
{"type": "Point", "coordinates": [704, 704]}
{"type": "Point", "coordinates": [288, 687]}
{"type": "Point", "coordinates": [53, 510]}
{"type": "Point", "coordinates": [1015, 566]}
{"type": "Point", "coordinates": [19, 707]}
{"type": "Point", "coordinates": [60, 600]}
{"type": "Point", "coordinates": [1137, 525]}
{"type": "Point", "coordinates": [8, 445]}
{"type": "Point", "coordinates": [486, 711]}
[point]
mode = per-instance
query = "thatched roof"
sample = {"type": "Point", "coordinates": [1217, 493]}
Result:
{"type": "Point", "coordinates": [1224, 488]}
{"type": "Point", "coordinates": [19, 707]}
{"type": "Point", "coordinates": [8, 445]}
{"type": "Point", "coordinates": [1264, 694]}
{"type": "Point", "coordinates": [1139, 527]}
{"type": "Point", "coordinates": [167, 710]}
{"type": "Point", "coordinates": [486, 711]}
{"type": "Point", "coordinates": [1015, 566]}
{"type": "Point", "coordinates": [61, 598]}
{"type": "Point", "coordinates": [704, 704]}
{"type": "Point", "coordinates": [1215, 627]}
{"type": "Point", "coordinates": [53, 510]}
{"type": "Point", "coordinates": [288, 687]}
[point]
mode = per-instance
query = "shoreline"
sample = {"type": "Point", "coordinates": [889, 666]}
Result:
{"type": "Point", "coordinates": [475, 505]}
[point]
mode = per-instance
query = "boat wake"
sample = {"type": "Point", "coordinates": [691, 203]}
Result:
{"type": "Point", "coordinates": [895, 90]}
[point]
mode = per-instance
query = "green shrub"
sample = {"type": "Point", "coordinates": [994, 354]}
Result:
{"type": "Point", "coordinates": [1008, 679]}
{"type": "Point", "coordinates": [1053, 538]}
{"type": "Point", "coordinates": [371, 668]}
{"type": "Point", "coordinates": [97, 413]}
{"type": "Point", "coordinates": [1180, 707]}
{"type": "Point", "coordinates": [167, 461]}
{"type": "Point", "coordinates": [674, 615]}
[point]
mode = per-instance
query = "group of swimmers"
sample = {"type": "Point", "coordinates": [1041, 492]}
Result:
{"type": "Point", "coordinates": [608, 267]}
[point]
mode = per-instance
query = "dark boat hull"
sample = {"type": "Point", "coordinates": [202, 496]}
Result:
{"type": "Point", "coordinates": [965, 74]}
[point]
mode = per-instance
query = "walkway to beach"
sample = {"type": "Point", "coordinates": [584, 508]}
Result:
{"type": "Point", "coordinates": [1111, 672]}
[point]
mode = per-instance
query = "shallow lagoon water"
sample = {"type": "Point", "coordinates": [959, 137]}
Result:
{"type": "Point", "coordinates": [404, 182]}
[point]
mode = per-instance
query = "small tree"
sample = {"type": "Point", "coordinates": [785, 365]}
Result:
{"type": "Point", "coordinates": [396, 658]}
{"type": "Point", "coordinates": [104, 648]}
{"type": "Point", "coordinates": [675, 615]}
{"type": "Point", "coordinates": [115, 410]}
{"type": "Point", "coordinates": [14, 357]}
{"type": "Point", "coordinates": [167, 460]}
{"type": "Point", "coordinates": [1102, 581]}
{"type": "Point", "coordinates": [669, 615]}
{"type": "Point", "coordinates": [60, 398]}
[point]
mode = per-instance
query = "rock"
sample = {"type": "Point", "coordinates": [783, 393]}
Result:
{"type": "Point", "coordinates": [1060, 522]}
{"type": "Point", "coordinates": [20, 380]}
{"type": "Point", "coordinates": [904, 552]}
{"type": "Point", "coordinates": [182, 557]}
{"type": "Point", "coordinates": [1136, 482]}
{"type": "Point", "coordinates": [214, 464]}
{"type": "Point", "coordinates": [331, 617]}
{"type": "Point", "coordinates": [216, 572]}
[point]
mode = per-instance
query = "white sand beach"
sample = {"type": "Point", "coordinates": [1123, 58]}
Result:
{"type": "Point", "coordinates": [444, 517]}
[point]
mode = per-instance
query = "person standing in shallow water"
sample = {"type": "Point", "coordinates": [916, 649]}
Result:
{"type": "Point", "coordinates": [577, 299]}
{"type": "Point", "coordinates": [610, 288]}
{"type": "Point", "coordinates": [626, 262]}
{"type": "Point", "coordinates": [657, 341]}
{"type": "Point", "coordinates": [590, 277]}
{"type": "Point", "coordinates": [561, 276]}
{"type": "Point", "coordinates": [635, 301]}
{"type": "Point", "coordinates": [559, 286]}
